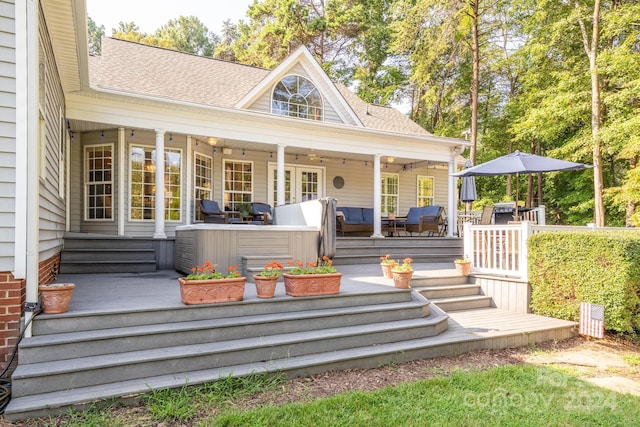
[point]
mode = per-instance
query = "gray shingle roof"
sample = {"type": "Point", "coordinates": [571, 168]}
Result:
{"type": "Point", "coordinates": [146, 70]}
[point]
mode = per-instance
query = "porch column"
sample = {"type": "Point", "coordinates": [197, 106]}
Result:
{"type": "Point", "coordinates": [190, 201]}
{"type": "Point", "coordinates": [377, 197]}
{"type": "Point", "coordinates": [159, 193]}
{"type": "Point", "coordinates": [280, 176]}
{"type": "Point", "coordinates": [452, 217]}
{"type": "Point", "coordinates": [122, 156]}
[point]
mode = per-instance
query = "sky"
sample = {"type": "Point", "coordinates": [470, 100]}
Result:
{"type": "Point", "coordinates": [149, 15]}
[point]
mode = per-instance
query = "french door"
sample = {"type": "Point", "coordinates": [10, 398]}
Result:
{"type": "Point", "coordinates": [301, 183]}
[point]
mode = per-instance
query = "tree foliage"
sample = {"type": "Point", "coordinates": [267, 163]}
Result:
{"type": "Point", "coordinates": [533, 77]}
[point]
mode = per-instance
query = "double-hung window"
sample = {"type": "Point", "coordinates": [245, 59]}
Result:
{"type": "Point", "coordinates": [203, 182]}
{"type": "Point", "coordinates": [143, 183]}
{"type": "Point", "coordinates": [98, 182]}
{"type": "Point", "coordinates": [238, 183]}
{"type": "Point", "coordinates": [425, 190]}
{"type": "Point", "coordinates": [390, 193]}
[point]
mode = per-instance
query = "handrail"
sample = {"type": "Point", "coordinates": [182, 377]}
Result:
{"type": "Point", "coordinates": [502, 249]}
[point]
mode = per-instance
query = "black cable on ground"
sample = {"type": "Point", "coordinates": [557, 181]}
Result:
{"type": "Point", "coordinates": [5, 383]}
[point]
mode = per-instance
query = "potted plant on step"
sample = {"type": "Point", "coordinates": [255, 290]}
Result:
{"type": "Point", "coordinates": [206, 285]}
{"type": "Point", "coordinates": [266, 280]}
{"type": "Point", "coordinates": [402, 274]}
{"type": "Point", "coordinates": [315, 278]}
{"type": "Point", "coordinates": [56, 297]}
{"type": "Point", "coordinates": [463, 265]}
{"type": "Point", "coordinates": [387, 263]}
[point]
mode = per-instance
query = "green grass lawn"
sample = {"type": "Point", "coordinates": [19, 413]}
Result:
{"type": "Point", "coordinates": [513, 395]}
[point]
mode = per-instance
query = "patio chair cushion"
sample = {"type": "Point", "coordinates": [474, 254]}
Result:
{"type": "Point", "coordinates": [210, 206]}
{"type": "Point", "coordinates": [413, 217]}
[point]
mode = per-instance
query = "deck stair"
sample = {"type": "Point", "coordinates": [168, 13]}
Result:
{"type": "Point", "coordinates": [106, 254]}
{"type": "Point", "coordinates": [365, 250]}
{"type": "Point", "coordinates": [452, 293]}
{"type": "Point", "coordinates": [74, 359]}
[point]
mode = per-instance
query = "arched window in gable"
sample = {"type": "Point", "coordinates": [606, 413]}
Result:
{"type": "Point", "coordinates": [296, 96]}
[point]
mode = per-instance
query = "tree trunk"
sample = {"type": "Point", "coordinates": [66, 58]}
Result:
{"type": "Point", "coordinates": [631, 205]}
{"type": "Point", "coordinates": [591, 48]}
{"type": "Point", "coordinates": [475, 48]}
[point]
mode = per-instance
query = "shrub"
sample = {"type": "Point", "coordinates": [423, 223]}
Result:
{"type": "Point", "coordinates": [566, 269]}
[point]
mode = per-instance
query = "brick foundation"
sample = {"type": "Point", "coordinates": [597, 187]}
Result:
{"type": "Point", "coordinates": [13, 295]}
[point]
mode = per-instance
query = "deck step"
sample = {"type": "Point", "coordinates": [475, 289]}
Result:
{"type": "Point", "coordinates": [364, 250]}
{"type": "Point", "coordinates": [61, 346]}
{"type": "Point", "coordinates": [462, 303]}
{"type": "Point", "coordinates": [449, 342]}
{"type": "Point", "coordinates": [438, 292]}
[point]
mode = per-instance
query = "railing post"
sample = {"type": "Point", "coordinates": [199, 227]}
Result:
{"type": "Point", "coordinates": [523, 263]}
{"type": "Point", "coordinates": [542, 215]}
{"type": "Point", "coordinates": [467, 240]}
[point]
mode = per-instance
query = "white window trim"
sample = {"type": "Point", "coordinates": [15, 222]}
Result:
{"type": "Point", "coordinates": [433, 188]}
{"type": "Point", "coordinates": [224, 182]}
{"type": "Point", "coordinates": [195, 187]}
{"type": "Point", "coordinates": [153, 147]}
{"type": "Point", "coordinates": [397, 195]}
{"type": "Point", "coordinates": [86, 183]}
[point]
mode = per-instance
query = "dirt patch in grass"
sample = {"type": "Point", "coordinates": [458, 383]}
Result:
{"type": "Point", "coordinates": [609, 363]}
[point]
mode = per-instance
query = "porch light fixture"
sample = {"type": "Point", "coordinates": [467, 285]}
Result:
{"type": "Point", "coordinates": [366, 164]}
{"type": "Point", "coordinates": [170, 137]}
{"type": "Point", "coordinates": [296, 157]}
{"type": "Point", "coordinates": [243, 152]}
{"type": "Point", "coordinates": [102, 135]}
{"type": "Point", "coordinates": [390, 159]}
{"type": "Point", "coordinates": [212, 141]}
{"type": "Point", "coordinates": [344, 162]}
{"type": "Point", "coordinates": [271, 155]}
{"type": "Point", "coordinates": [132, 134]}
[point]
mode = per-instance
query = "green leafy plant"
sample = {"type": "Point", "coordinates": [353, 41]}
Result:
{"type": "Point", "coordinates": [405, 266]}
{"type": "Point", "coordinates": [321, 266]}
{"type": "Point", "coordinates": [273, 269]}
{"type": "Point", "coordinates": [208, 272]}
{"type": "Point", "coordinates": [462, 260]}
{"type": "Point", "coordinates": [387, 259]}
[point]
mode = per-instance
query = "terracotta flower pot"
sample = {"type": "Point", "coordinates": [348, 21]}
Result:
{"type": "Point", "coordinates": [265, 286]}
{"type": "Point", "coordinates": [210, 291]}
{"type": "Point", "coordinates": [303, 285]}
{"type": "Point", "coordinates": [463, 267]}
{"type": "Point", "coordinates": [402, 279]}
{"type": "Point", "coordinates": [56, 297]}
{"type": "Point", "coordinates": [386, 269]}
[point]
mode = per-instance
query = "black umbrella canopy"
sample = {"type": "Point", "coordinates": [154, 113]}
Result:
{"type": "Point", "coordinates": [518, 162]}
{"type": "Point", "coordinates": [468, 186]}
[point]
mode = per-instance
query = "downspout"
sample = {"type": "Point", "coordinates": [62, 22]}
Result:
{"type": "Point", "coordinates": [27, 172]}
{"type": "Point", "coordinates": [377, 197]}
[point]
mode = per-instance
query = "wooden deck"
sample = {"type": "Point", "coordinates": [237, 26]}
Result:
{"type": "Point", "coordinates": [122, 323]}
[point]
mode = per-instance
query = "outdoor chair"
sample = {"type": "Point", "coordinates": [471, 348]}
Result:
{"type": "Point", "coordinates": [424, 219]}
{"type": "Point", "coordinates": [487, 215]}
{"type": "Point", "coordinates": [211, 212]}
{"type": "Point", "coordinates": [261, 213]}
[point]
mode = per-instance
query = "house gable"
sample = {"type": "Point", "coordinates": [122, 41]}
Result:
{"type": "Point", "coordinates": [336, 107]}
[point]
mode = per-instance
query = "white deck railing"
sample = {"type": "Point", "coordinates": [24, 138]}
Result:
{"type": "Point", "coordinates": [502, 249]}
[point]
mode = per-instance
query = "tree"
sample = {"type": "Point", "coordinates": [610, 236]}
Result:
{"type": "Point", "coordinates": [591, 47]}
{"type": "Point", "coordinates": [188, 34]}
{"type": "Point", "coordinates": [95, 35]}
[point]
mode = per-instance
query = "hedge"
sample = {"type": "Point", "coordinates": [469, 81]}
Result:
{"type": "Point", "coordinates": [599, 267]}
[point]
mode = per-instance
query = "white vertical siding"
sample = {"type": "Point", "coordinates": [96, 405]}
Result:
{"type": "Point", "coordinates": [7, 134]}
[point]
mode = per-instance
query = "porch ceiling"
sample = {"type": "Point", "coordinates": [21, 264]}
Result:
{"type": "Point", "coordinates": [307, 156]}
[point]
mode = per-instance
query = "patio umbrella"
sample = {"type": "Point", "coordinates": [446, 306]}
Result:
{"type": "Point", "coordinates": [517, 163]}
{"type": "Point", "coordinates": [468, 188]}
